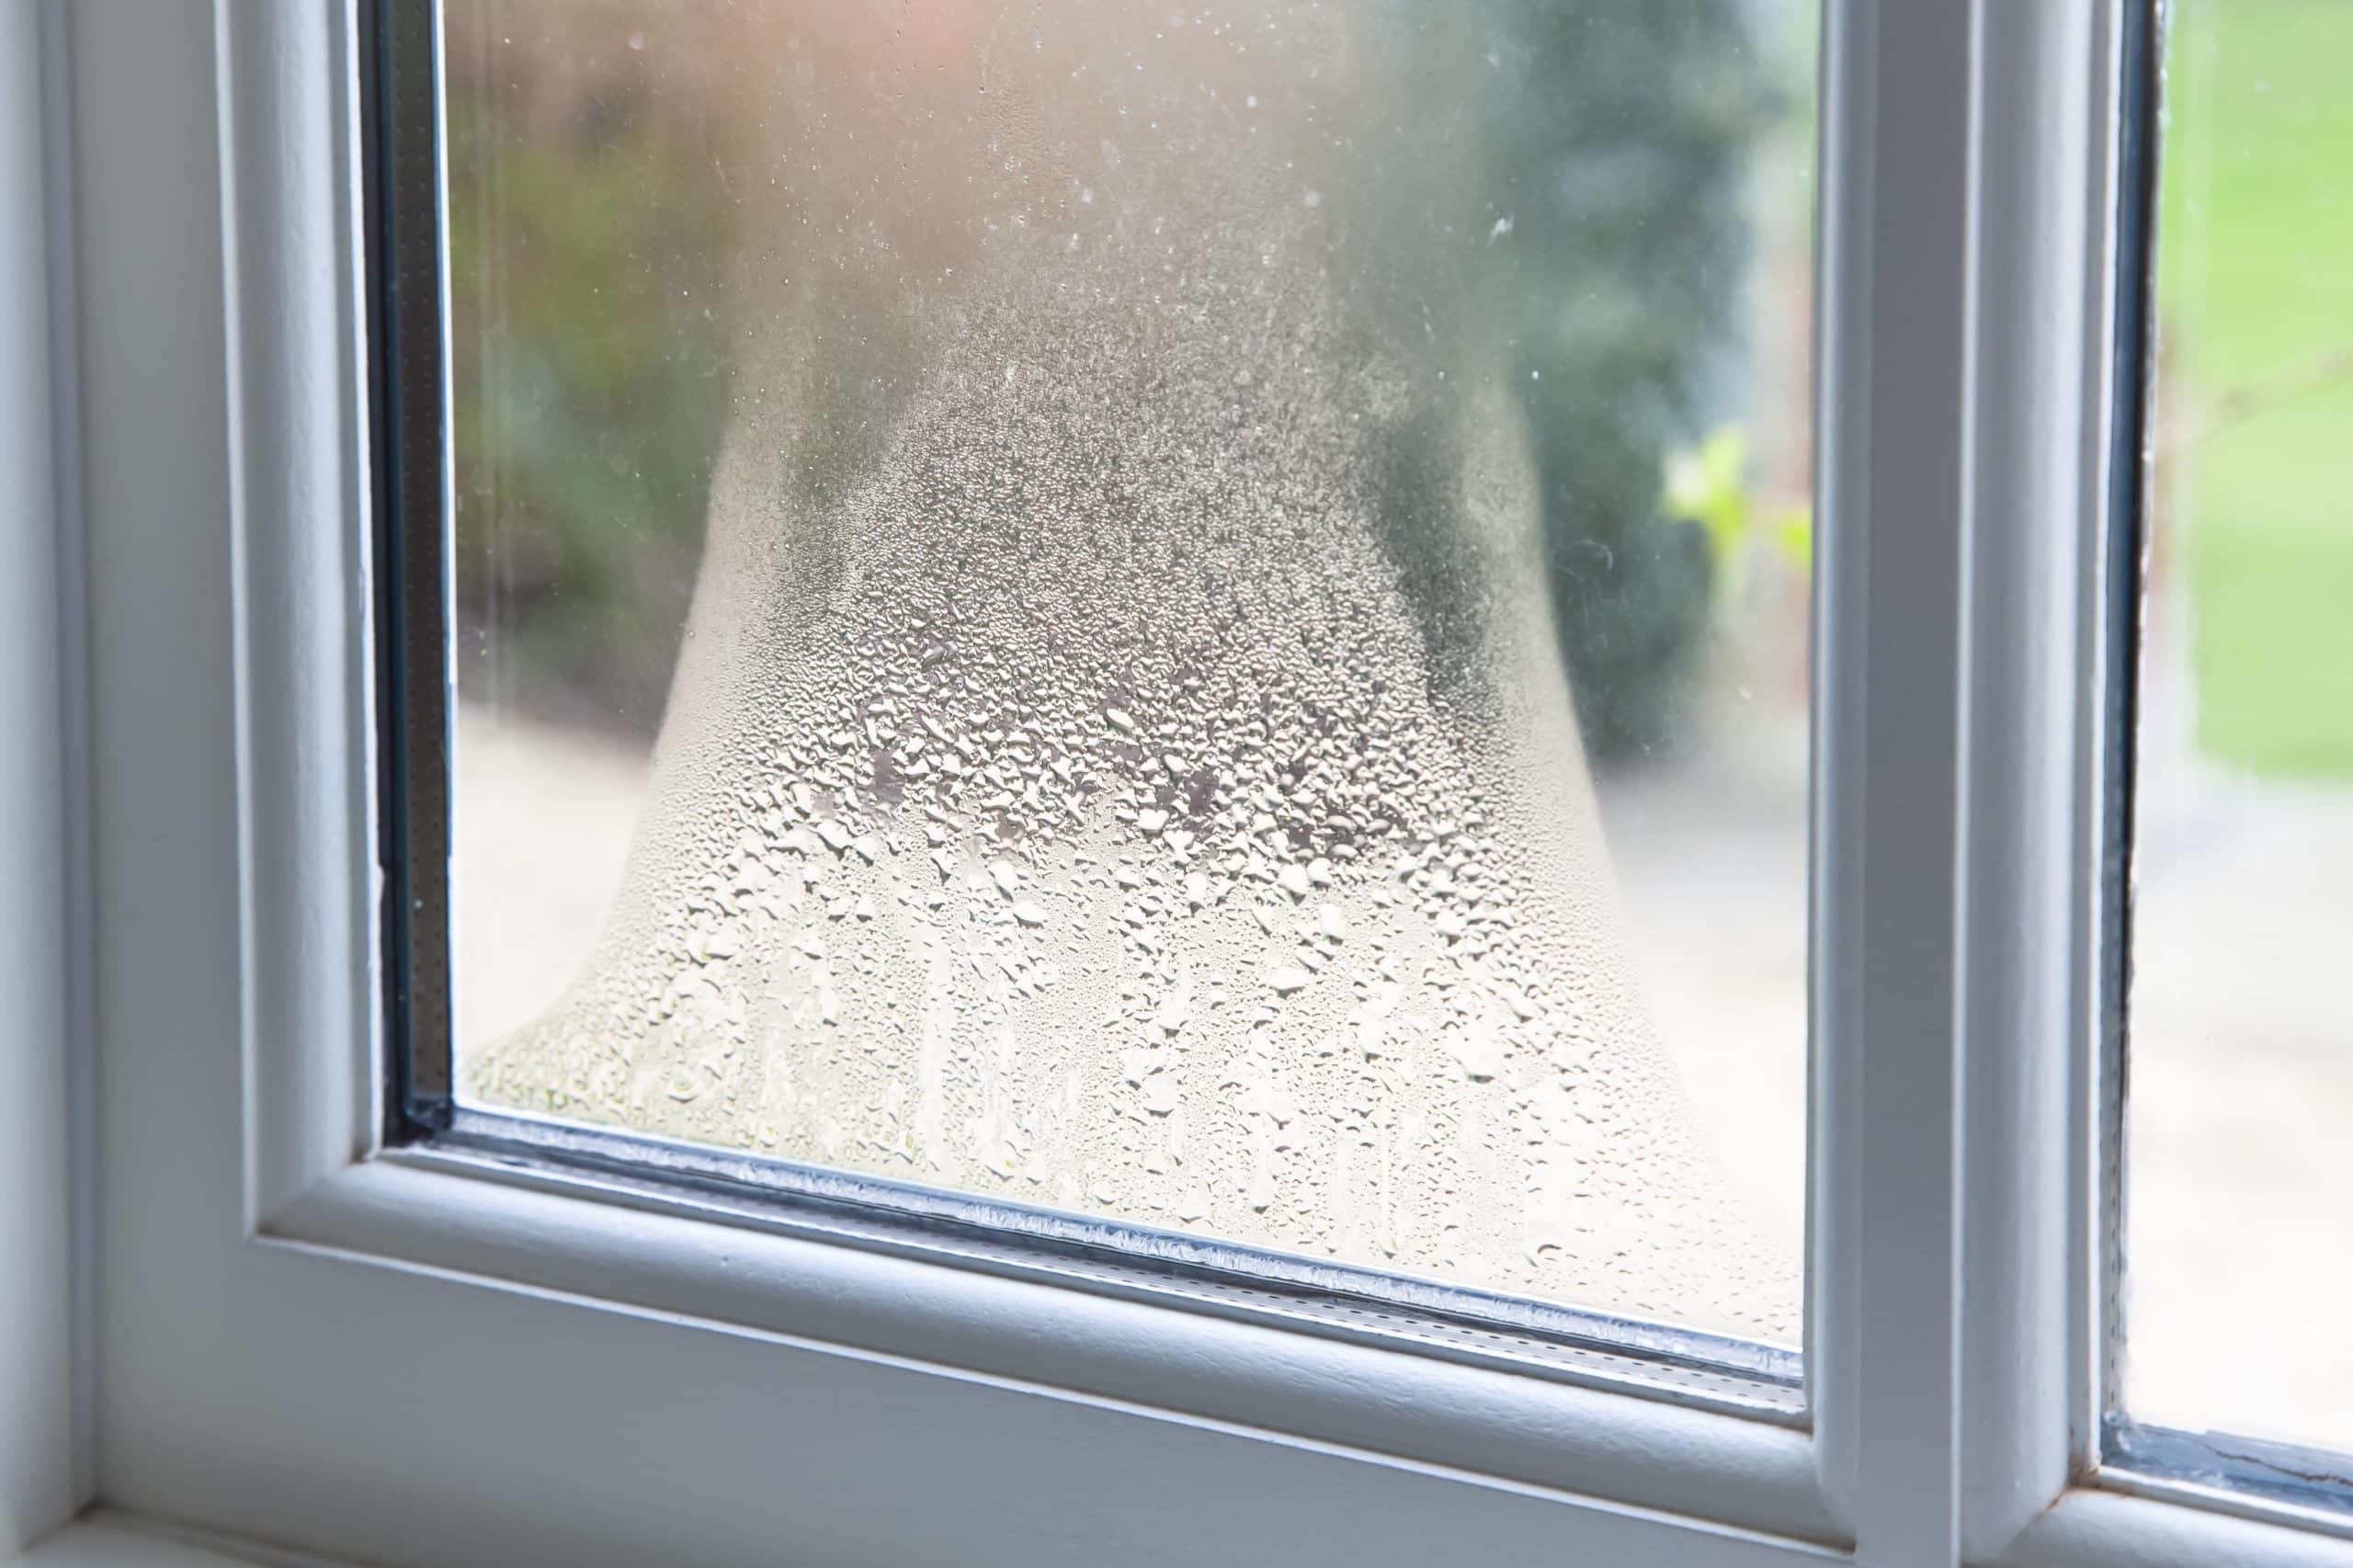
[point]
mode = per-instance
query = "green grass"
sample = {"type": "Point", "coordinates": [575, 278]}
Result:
{"type": "Point", "coordinates": [2255, 287]}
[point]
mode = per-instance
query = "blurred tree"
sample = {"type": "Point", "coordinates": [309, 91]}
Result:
{"type": "Point", "coordinates": [589, 235]}
{"type": "Point", "coordinates": [1621, 138]}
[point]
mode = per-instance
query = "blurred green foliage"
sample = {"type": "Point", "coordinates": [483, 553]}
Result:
{"type": "Point", "coordinates": [2254, 233]}
{"type": "Point", "coordinates": [589, 229]}
{"type": "Point", "coordinates": [1710, 484]}
{"type": "Point", "coordinates": [1620, 140]}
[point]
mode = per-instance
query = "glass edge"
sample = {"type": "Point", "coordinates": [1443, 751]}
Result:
{"type": "Point", "coordinates": [826, 1203]}
{"type": "Point", "coordinates": [400, 131]}
{"type": "Point", "coordinates": [2139, 64]}
{"type": "Point", "coordinates": [2286, 1475]}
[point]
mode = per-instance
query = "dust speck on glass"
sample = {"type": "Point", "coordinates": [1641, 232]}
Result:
{"type": "Point", "coordinates": [1195, 615]}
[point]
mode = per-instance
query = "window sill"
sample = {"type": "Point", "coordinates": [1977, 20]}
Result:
{"type": "Point", "coordinates": [102, 1539]}
{"type": "Point", "coordinates": [632, 1253]}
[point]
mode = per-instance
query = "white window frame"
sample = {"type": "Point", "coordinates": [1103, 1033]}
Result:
{"type": "Point", "coordinates": [413, 1356]}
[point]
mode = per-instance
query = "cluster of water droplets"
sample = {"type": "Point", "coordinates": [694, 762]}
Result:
{"type": "Point", "coordinates": [1144, 783]}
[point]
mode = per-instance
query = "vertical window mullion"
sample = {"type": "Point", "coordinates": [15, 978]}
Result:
{"type": "Point", "coordinates": [2043, 298]}
{"type": "Point", "coordinates": [1883, 1344]}
{"type": "Point", "coordinates": [1966, 233]}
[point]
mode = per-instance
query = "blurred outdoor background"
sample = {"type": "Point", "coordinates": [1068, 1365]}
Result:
{"type": "Point", "coordinates": [1656, 161]}
{"type": "Point", "coordinates": [2239, 1133]}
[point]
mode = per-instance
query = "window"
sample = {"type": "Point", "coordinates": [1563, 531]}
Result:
{"type": "Point", "coordinates": [391, 1269]}
{"type": "Point", "coordinates": [2235, 1123]}
{"type": "Point", "coordinates": [1124, 515]}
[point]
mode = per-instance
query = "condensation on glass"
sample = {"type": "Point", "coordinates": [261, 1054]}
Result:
{"type": "Point", "coordinates": [1192, 613]}
{"type": "Point", "coordinates": [2238, 1136]}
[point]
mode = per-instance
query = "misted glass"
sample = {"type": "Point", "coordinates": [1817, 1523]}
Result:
{"type": "Point", "coordinates": [1189, 613]}
{"type": "Point", "coordinates": [2239, 1109]}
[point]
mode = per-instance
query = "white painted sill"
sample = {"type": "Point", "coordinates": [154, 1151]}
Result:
{"type": "Point", "coordinates": [2085, 1529]}
{"type": "Point", "coordinates": [106, 1540]}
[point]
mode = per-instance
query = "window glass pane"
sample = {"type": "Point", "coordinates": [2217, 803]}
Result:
{"type": "Point", "coordinates": [1195, 614]}
{"type": "Point", "coordinates": [2240, 1104]}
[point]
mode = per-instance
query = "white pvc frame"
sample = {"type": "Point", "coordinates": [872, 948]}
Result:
{"type": "Point", "coordinates": [418, 1358]}
{"type": "Point", "coordinates": [37, 1320]}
